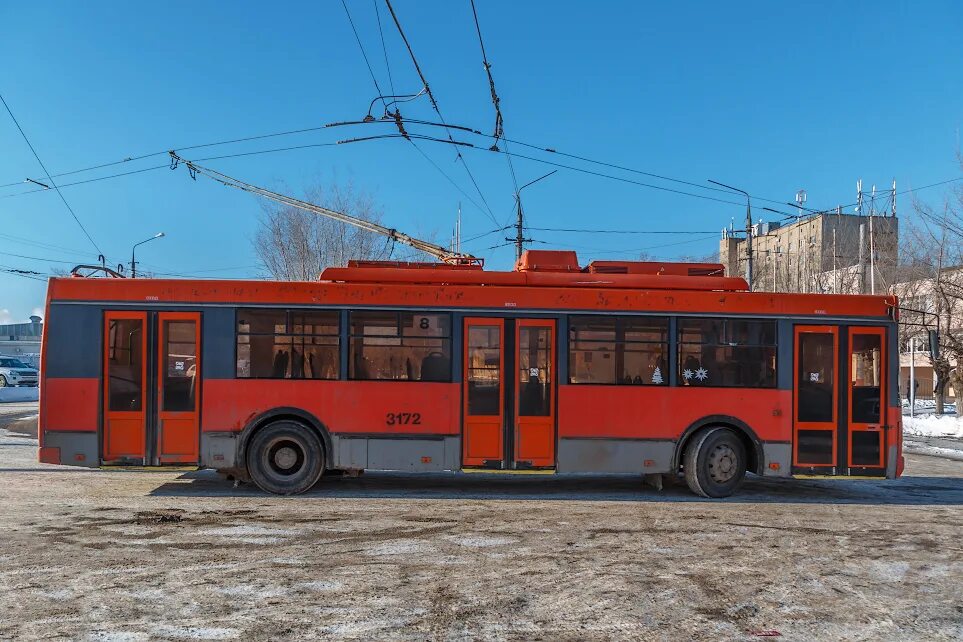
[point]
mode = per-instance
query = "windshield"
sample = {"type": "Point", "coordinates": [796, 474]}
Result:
{"type": "Point", "coordinates": [12, 363]}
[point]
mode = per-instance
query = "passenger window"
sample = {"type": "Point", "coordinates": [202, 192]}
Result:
{"type": "Point", "coordinates": [728, 353]}
{"type": "Point", "coordinates": [400, 346]}
{"type": "Point", "coordinates": [283, 344]}
{"type": "Point", "coordinates": [618, 350]}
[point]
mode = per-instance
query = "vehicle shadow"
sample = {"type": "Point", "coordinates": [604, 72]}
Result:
{"type": "Point", "coordinates": [931, 491]}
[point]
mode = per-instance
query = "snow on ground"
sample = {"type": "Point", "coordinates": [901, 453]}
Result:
{"type": "Point", "coordinates": [933, 426]}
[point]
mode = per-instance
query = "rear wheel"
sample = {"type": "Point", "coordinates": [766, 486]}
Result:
{"type": "Point", "coordinates": [714, 462]}
{"type": "Point", "coordinates": [285, 458]}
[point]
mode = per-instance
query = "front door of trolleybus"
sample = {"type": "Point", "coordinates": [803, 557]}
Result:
{"type": "Point", "coordinates": [509, 394]}
{"type": "Point", "coordinates": [151, 388]}
{"type": "Point", "coordinates": [840, 398]}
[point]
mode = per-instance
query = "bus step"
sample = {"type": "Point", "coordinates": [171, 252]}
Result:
{"type": "Point", "coordinates": [508, 471]}
{"type": "Point", "coordinates": [150, 469]}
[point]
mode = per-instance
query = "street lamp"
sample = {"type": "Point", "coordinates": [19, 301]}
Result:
{"type": "Point", "coordinates": [133, 262]}
{"type": "Point", "coordinates": [748, 227]}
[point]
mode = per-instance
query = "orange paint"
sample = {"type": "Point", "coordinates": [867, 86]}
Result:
{"type": "Point", "coordinates": [74, 404]}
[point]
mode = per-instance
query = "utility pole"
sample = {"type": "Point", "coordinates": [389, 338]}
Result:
{"type": "Point", "coordinates": [520, 239]}
{"type": "Point", "coordinates": [748, 228]}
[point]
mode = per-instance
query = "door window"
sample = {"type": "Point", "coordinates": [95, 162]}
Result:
{"type": "Point", "coordinates": [815, 376]}
{"type": "Point", "coordinates": [865, 378]}
{"type": "Point", "coordinates": [534, 371]}
{"type": "Point", "coordinates": [125, 364]}
{"type": "Point", "coordinates": [180, 366]}
{"type": "Point", "coordinates": [484, 370]}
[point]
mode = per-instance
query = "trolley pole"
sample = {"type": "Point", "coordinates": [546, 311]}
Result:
{"type": "Point", "coordinates": [748, 228]}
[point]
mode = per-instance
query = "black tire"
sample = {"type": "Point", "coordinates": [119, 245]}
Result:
{"type": "Point", "coordinates": [3, 381]}
{"type": "Point", "coordinates": [285, 458]}
{"type": "Point", "coordinates": [714, 462]}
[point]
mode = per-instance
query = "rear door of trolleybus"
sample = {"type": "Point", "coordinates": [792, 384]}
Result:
{"type": "Point", "coordinates": [509, 394]}
{"type": "Point", "coordinates": [151, 388]}
{"type": "Point", "coordinates": [840, 398]}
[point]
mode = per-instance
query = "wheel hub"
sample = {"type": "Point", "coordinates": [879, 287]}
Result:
{"type": "Point", "coordinates": [723, 463]}
{"type": "Point", "coordinates": [285, 457]}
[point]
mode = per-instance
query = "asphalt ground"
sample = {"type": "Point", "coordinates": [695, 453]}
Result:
{"type": "Point", "coordinates": [104, 555]}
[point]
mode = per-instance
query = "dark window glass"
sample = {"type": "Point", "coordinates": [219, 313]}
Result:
{"type": "Point", "coordinates": [866, 447]}
{"type": "Point", "coordinates": [534, 371]}
{"type": "Point", "coordinates": [814, 446]}
{"type": "Point", "coordinates": [865, 378]}
{"type": "Point", "coordinates": [484, 370]}
{"type": "Point", "coordinates": [180, 370]}
{"type": "Point", "coordinates": [816, 362]}
{"type": "Point", "coordinates": [618, 350]}
{"type": "Point", "coordinates": [727, 353]}
{"type": "Point", "coordinates": [287, 344]}
{"type": "Point", "coordinates": [125, 364]}
{"type": "Point", "coordinates": [400, 346]}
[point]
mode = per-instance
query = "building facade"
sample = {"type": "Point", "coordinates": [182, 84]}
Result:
{"type": "Point", "coordinates": [827, 253]}
{"type": "Point", "coordinates": [22, 340]}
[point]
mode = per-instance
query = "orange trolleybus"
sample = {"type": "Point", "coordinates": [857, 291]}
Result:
{"type": "Point", "coordinates": [616, 367]}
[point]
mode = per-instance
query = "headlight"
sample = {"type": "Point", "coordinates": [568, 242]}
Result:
{"type": "Point", "coordinates": [14, 375]}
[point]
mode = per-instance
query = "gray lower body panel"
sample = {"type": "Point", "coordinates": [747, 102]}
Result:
{"type": "Point", "coordinates": [76, 448]}
{"type": "Point", "coordinates": [385, 453]}
{"type": "Point", "coordinates": [219, 450]}
{"type": "Point", "coordinates": [780, 454]}
{"type": "Point", "coordinates": [615, 456]}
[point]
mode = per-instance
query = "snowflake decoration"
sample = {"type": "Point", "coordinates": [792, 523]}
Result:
{"type": "Point", "coordinates": [686, 374]}
{"type": "Point", "coordinates": [701, 374]}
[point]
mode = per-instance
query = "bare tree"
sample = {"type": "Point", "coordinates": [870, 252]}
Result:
{"type": "Point", "coordinates": [295, 245]}
{"type": "Point", "coordinates": [931, 288]}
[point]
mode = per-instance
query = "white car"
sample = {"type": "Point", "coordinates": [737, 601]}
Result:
{"type": "Point", "coordinates": [14, 372]}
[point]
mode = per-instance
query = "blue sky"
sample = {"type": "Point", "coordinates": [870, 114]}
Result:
{"type": "Point", "coordinates": [771, 97]}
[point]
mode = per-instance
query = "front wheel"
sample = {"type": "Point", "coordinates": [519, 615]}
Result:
{"type": "Point", "coordinates": [285, 458]}
{"type": "Point", "coordinates": [715, 463]}
{"type": "Point", "coordinates": [3, 381]}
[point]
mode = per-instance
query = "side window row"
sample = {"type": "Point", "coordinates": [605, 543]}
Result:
{"type": "Point", "coordinates": [296, 344]}
{"type": "Point", "coordinates": [414, 346]}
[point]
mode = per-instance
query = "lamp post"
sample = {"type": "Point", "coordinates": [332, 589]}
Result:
{"type": "Point", "coordinates": [748, 227]}
{"type": "Point", "coordinates": [133, 262]}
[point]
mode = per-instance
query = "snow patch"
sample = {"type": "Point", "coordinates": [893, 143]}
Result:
{"type": "Point", "coordinates": [256, 531]}
{"type": "Point", "coordinates": [933, 426]}
{"type": "Point", "coordinates": [195, 632]}
{"type": "Point", "coordinates": [117, 636]}
{"type": "Point", "coordinates": [320, 585]}
{"type": "Point", "coordinates": [481, 541]}
{"type": "Point", "coordinates": [398, 547]}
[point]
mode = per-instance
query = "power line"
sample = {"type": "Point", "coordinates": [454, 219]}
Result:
{"type": "Point", "coordinates": [434, 104]}
{"type": "Point", "coordinates": [363, 54]}
{"type": "Point", "coordinates": [131, 159]}
{"type": "Point", "coordinates": [384, 48]}
{"type": "Point", "coordinates": [167, 165]}
{"type": "Point", "coordinates": [397, 119]}
{"type": "Point", "coordinates": [499, 130]}
{"type": "Point", "coordinates": [49, 178]}
{"type": "Point", "coordinates": [585, 231]}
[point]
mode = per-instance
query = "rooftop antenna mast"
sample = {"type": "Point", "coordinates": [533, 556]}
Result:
{"type": "Point", "coordinates": [437, 251]}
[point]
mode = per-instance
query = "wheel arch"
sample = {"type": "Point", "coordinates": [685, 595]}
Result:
{"type": "Point", "coordinates": [748, 436]}
{"type": "Point", "coordinates": [281, 413]}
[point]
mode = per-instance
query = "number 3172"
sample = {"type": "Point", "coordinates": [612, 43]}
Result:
{"type": "Point", "coordinates": [403, 418]}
